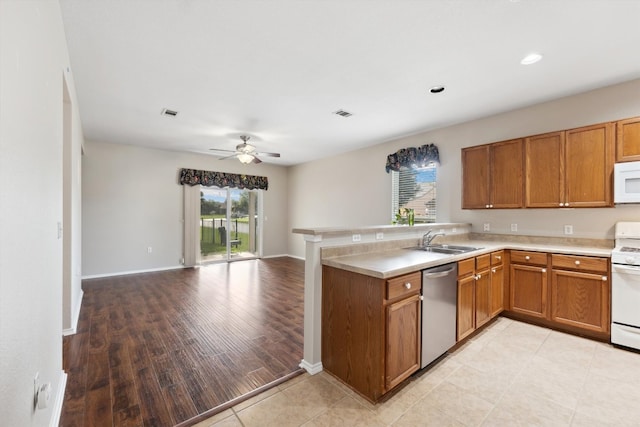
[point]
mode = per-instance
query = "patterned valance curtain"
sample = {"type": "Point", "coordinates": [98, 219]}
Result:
{"type": "Point", "coordinates": [222, 179]}
{"type": "Point", "coordinates": [412, 157]}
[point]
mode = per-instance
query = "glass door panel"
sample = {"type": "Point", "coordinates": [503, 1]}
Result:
{"type": "Point", "coordinates": [229, 224]}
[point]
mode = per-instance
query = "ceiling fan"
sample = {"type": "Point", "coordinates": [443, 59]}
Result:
{"type": "Point", "coordinates": [245, 152]}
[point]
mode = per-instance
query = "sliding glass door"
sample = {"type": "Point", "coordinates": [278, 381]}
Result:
{"type": "Point", "coordinates": [230, 224]}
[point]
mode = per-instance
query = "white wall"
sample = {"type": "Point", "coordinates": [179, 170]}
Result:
{"type": "Point", "coordinates": [33, 63]}
{"type": "Point", "coordinates": [132, 200]}
{"type": "Point", "coordinates": [353, 188]}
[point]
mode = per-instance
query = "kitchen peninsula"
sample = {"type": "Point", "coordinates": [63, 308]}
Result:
{"type": "Point", "coordinates": [577, 270]}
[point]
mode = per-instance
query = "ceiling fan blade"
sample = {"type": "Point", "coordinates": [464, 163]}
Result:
{"type": "Point", "coordinates": [220, 149]}
{"type": "Point", "coordinates": [269, 154]}
{"type": "Point", "coordinates": [256, 160]}
{"type": "Point", "coordinates": [229, 157]}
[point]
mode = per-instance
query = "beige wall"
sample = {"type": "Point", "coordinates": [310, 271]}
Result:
{"type": "Point", "coordinates": [33, 65]}
{"type": "Point", "coordinates": [353, 188]}
{"type": "Point", "coordinates": [132, 200]}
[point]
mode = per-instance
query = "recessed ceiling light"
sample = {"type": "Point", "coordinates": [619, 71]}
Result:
{"type": "Point", "coordinates": [532, 58]}
{"type": "Point", "coordinates": [437, 89]}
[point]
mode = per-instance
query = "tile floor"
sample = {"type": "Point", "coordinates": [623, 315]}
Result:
{"type": "Point", "coordinates": [512, 374]}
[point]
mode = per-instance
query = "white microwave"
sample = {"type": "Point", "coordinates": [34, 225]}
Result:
{"type": "Point", "coordinates": [626, 182]}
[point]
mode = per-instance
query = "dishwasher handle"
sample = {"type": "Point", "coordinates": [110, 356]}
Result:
{"type": "Point", "coordinates": [436, 274]}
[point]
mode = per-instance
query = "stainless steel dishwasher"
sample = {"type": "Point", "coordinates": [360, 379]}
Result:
{"type": "Point", "coordinates": [439, 305]}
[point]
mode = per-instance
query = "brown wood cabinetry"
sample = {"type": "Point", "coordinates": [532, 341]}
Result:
{"type": "Point", "coordinates": [466, 298]}
{"type": "Point", "coordinates": [492, 175]}
{"type": "Point", "coordinates": [555, 165]}
{"type": "Point", "coordinates": [528, 283]}
{"type": "Point", "coordinates": [497, 283]}
{"type": "Point", "coordinates": [370, 329]}
{"type": "Point", "coordinates": [628, 140]}
{"type": "Point", "coordinates": [477, 303]}
{"type": "Point", "coordinates": [589, 158]}
{"type": "Point", "coordinates": [580, 292]}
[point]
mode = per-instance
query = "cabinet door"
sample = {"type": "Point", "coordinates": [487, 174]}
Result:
{"type": "Point", "coordinates": [529, 290]}
{"type": "Point", "coordinates": [475, 177]}
{"type": "Point", "coordinates": [589, 154]}
{"type": "Point", "coordinates": [483, 298]}
{"type": "Point", "coordinates": [466, 306]}
{"type": "Point", "coordinates": [544, 170]}
{"type": "Point", "coordinates": [580, 299]}
{"type": "Point", "coordinates": [628, 140]}
{"type": "Point", "coordinates": [506, 174]}
{"type": "Point", "coordinates": [402, 356]}
{"type": "Point", "coordinates": [497, 290]}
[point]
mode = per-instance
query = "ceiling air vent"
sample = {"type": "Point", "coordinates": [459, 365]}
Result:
{"type": "Point", "coordinates": [170, 113]}
{"type": "Point", "coordinates": [343, 113]}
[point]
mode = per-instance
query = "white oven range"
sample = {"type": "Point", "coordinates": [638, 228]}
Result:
{"type": "Point", "coordinates": [625, 286]}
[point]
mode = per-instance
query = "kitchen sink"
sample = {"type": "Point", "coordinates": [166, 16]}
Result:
{"type": "Point", "coordinates": [448, 249]}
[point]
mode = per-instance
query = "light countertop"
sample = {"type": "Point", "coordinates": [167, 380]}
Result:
{"type": "Point", "coordinates": [397, 262]}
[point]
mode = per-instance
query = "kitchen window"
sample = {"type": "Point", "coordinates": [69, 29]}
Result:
{"type": "Point", "coordinates": [415, 188]}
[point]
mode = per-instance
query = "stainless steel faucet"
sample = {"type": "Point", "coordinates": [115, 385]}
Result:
{"type": "Point", "coordinates": [428, 238]}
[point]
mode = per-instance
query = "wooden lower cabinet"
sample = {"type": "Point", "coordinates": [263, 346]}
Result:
{"type": "Point", "coordinates": [580, 293]}
{"type": "Point", "coordinates": [566, 292]}
{"type": "Point", "coordinates": [402, 354]}
{"type": "Point", "coordinates": [497, 283]}
{"type": "Point", "coordinates": [477, 303]}
{"type": "Point", "coordinates": [370, 329]}
{"type": "Point", "coordinates": [528, 283]}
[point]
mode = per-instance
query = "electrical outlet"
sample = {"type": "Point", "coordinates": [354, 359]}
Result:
{"type": "Point", "coordinates": [355, 238]}
{"type": "Point", "coordinates": [379, 236]}
{"type": "Point", "coordinates": [487, 226]}
{"type": "Point", "coordinates": [514, 227]}
{"type": "Point", "coordinates": [149, 249]}
{"type": "Point", "coordinates": [568, 229]}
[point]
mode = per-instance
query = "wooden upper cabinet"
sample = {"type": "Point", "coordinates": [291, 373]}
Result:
{"type": "Point", "coordinates": [506, 174]}
{"type": "Point", "coordinates": [628, 140]}
{"type": "Point", "coordinates": [492, 175]}
{"type": "Point", "coordinates": [475, 177]}
{"type": "Point", "coordinates": [589, 158]}
{"type": "Point", "coordinates": [544, 170]}
{"type": "Point", "coordinates": [572, 168]}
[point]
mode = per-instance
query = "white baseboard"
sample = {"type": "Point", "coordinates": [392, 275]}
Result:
{"type": "Point", "coordinates": [312, 369]}
{"type": "Point", "coordinates": [74, 321]}
{"type": "Point", "coordinates": [125, 273]}
{"type": "Point", "coordinates": [274, 256]}
{"type": "Point", "coordinates": [57, 406]}
{"type": "Point", "coordinates": [296, 257]}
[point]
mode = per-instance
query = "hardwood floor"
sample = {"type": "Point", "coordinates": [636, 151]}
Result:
{"type": "Point", "coordinates": [158, 349]}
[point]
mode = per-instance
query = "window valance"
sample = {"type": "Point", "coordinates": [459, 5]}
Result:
{"type": "Point", "coordinates": [222, 179]}
{"type": "Point", "coordinates": [412, 157]}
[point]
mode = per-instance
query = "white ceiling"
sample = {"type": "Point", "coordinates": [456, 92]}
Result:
{"type": "Point", "coordinates": [278, 69]}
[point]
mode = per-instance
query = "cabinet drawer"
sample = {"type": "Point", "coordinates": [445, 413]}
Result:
{"type": "Point", "coordinates": [580, 263]}
{"type": "Point", "coordinates": [483, 262]}
{"type": "Point", "coordinates": [497, 257]}
{"type": "Point", "coordinates": [466, 267]}
{"type": "Point", "coordinates": [528, 258]}
{"type": "Point", "coordinates": [404, 285]}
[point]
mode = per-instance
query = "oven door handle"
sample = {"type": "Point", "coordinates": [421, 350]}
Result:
{"type": "Point", "coordinates": [626, 269]}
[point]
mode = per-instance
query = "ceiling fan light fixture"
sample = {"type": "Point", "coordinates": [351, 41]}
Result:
{"type": "Point", "coordinates": [245, 158]}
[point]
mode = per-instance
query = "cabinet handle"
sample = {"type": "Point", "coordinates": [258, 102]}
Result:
{"type": "Point", "coordinates": [566, 204]}
{"type": "Point", "coordinates": [544, 270]}
{"type": "Point", "coordinates": [561, 204]}
{"type": "Point", "coordinates": [498, 257]}
{"type": "Point", "coordinates": [479, 276]}
{"type": "Point", "coordinates": [577, 262]}
{"type": "Point", "coordinates": [407, 285]}
{"type": "Point", "coordinates": [493, 270]}
{"type": "Point", "coordinates": [604, 278]}
{"type": "Point", "coordinates": [486, 206]}
{"type": "Point", "coordinates": [527, 257]}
